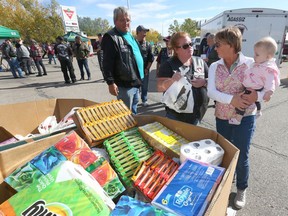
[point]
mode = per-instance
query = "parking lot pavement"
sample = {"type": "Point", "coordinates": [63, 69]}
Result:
{"type": "Point", "coordinates": [267, 192]}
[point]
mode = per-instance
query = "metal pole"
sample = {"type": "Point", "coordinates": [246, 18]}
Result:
{"type": "Point", "coordinates": [128, 6]}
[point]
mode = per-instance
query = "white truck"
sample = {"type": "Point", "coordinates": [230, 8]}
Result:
{"type": "Point", "coordinates": [254, 24]}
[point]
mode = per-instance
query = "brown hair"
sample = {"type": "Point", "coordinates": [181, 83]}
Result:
{"type": "Point", "coordinates": [175, 38]}
{"type": "Point", "coordinates": [231, 36]}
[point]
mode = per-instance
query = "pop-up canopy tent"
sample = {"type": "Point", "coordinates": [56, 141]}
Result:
{"type": "Point", "coordinates": [8, 33]}
{"type": "Point", "coordinates": [70, 37]}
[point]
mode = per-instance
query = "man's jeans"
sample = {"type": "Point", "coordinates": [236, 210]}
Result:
{"type": "Point", "coordinates": [144, 88]}
{"type": "Point", "coordinates": [81, 63]}
{"type": "Point", "coordinates": [14, 66]}
{"type": "Point", "coordinates": [240, 136]}
{"type": "Point", "coordinates": [130, 97]}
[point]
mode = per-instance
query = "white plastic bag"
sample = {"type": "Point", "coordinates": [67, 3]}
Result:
{"type": "Point", "coordinates": [179, 96]}
{"type": "Point", "coordinates": [48, 125]}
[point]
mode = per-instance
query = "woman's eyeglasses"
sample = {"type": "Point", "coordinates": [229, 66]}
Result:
{"type": "Point", "coordinates": [186, 46]}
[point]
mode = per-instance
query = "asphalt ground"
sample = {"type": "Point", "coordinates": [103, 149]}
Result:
{"type": "Point", "coordinates": [268, 184]}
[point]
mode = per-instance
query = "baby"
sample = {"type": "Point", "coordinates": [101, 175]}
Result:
{"type": "Point", "coordinates": [263, 74]}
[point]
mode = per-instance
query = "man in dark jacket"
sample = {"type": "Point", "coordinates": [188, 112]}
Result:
{"type": "Point", "coordinates": [148, 59]}
{"type": "Point", "coordinates": [9, 54]}
{"type": "Point", "coordinates": [122, 60]}
{"type": "Point", "coordinates": [64, 52]}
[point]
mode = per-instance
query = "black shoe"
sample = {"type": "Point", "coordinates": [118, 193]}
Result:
{"type": "Point", "coordinates": [38, 75]}
{"type": "Point", "coordinates": [73, 81]}
{"type": "Point", "coordinates": [67, 82]}
{"type": "Point", "coordinates": [45, 74]}
{"type": "Point", "coordinates": [31, 73]}
{"type": "Point", "coordinates": [81, 79]}
{"type": "Point", "coordinates": [89, 78]}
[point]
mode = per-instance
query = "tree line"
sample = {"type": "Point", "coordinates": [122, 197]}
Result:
{"type": "Point", "coordinates": [43, 22]}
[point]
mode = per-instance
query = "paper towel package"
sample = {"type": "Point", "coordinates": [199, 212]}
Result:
{"type": "Point", "coordinates": [67, 190]}
{"type": "Point", "coordinates": [205, 150]}
{"type": "Point", "coordinates": [190, 190]}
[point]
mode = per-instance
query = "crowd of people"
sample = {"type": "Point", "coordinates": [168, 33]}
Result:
{"type": "Point", "coordinates": [25, 59]}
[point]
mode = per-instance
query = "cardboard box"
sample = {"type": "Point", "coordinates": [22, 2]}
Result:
{"type": "Point", "coordinates": [17, 156]}
{"type": "Point", "coordinates": [219, 202]}
{"type": "Point", "coordinates": [24, 118]}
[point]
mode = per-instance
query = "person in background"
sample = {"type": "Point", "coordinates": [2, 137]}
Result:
{"type": "Point", "coordinates": [64, 52]}
{"type": "Point", "coordinates": [225, 87]}
{"type": "Point", "coordinates": [9, 54]}
{"type": "Point", "coordinates": [44, 48]}
{"type": "Point", "coordinates": [211, 53]}
{"type": "Point", "coordinates": [203, 45]}
{"type": "Point", "coordinates": [23, 56]}
{"type": "Point", "coordinates": [183, 65]}
{"type": "Point", "coordinates": [262, 75]}
{"type": "Point", "coordinates": [148, 59]}
{"type": "Point", "coordinates": [81, 52]}
{"type": "Point", "coordinates": [36, 53]}
{"type": "Point", "coordinates": [51, 53]}
{"type": "Point", "coordinates": [99, 52]}
{"type": "Point", "coordinates": [123, 63]}
{"type": "Point", "coordinates": [164, 54]}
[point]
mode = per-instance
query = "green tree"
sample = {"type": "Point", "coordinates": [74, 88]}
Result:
{"type": "Point", "coordinates": [190, 26]}
{"type": "Point", "coordinates": [93, 27]}
{"type": "Point", "coordinates": [175, 27]}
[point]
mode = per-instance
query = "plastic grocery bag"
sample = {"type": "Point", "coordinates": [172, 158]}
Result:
{"type": "Point", "coordinates": [179, 96]}
{"type": "Point", "coordinates": [67, 121]}
{"type": "Point", "coordinates": [48, 125]}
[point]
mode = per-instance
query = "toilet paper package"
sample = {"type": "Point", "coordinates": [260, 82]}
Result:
{"type": "Point", "coordinates": [203, 150]}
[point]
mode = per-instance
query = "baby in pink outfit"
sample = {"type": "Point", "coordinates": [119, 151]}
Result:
{"type": "Point", "coordinates": [263, 74]}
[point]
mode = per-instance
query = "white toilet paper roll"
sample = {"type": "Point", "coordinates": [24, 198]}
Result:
{"type": "Point", "coordinates": [203, 150]}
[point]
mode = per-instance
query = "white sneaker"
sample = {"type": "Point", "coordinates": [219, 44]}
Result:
{"type": "Point", "coordinates": [145, 104]}
{"type": "Point", "coordinates": [240, 199]}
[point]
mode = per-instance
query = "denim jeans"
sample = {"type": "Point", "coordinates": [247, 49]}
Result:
{"type": "Point", "coordinates": [38, 62]}
{"type": "Point", "coordinates": [81, 63]}
{"type": "Point", "coordinates": [15, 67]}
{"type": "Point", "coordinates": [144, 88]}
{"type": "Point", "coordinates": [240, 136]}
{"type": "Point", "coordinates": [50, 57]}
{"type": "Point", "coordinates": [130, 97]}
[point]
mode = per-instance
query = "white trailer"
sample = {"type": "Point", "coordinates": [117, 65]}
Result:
{"type": "Point", "coordinates": [254, 24]}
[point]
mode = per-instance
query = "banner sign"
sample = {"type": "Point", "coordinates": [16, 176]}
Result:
{"type": "Point", "coordinates": [70, 19]}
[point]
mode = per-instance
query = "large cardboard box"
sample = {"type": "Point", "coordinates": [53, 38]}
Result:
{"type": "Point", "coordinates": [219, 203]}
{"type": "Point", "coordinates": [24, 118]}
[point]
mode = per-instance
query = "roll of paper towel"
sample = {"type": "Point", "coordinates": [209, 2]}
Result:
{"type": "Point", "coordinates": [203, 150]}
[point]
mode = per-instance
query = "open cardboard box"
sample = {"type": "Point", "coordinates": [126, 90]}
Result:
{"type": "Point", "coordinates": [219, 203]}
{"type": "Point", "coordinates": [24, 118]}
{"type": "Point", "coordinates": [13, 158]}
{"type": "Point", "coordinates": [18, 156]}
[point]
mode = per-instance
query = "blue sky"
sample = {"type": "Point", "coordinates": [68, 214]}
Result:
{"type": "Point", "coordinates": [159, 14]}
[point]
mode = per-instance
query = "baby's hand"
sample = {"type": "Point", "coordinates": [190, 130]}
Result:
{"type": "Point", "coordinates": [267, 96]}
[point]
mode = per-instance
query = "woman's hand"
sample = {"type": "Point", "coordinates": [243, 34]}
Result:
{"type": "Point", "coordinates": [197, 83]}
{"type": "Point", "coordinates": [238, 101]}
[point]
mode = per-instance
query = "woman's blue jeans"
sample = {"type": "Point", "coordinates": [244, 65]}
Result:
{"type": "Point", "coordinates": [240, 136]}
